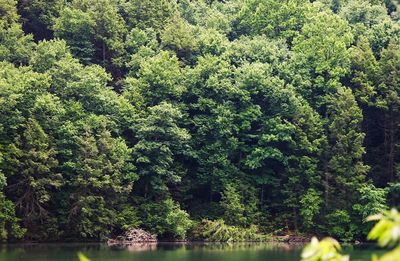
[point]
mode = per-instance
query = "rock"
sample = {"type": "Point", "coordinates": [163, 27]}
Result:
{"type": "Point", "coordinates": [133, 236]}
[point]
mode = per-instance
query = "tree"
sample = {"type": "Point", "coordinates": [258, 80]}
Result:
{"type": "Point", "coordinates": [160, 141]}
{"type": "Point", "coordinates": [148, 13]}
{"type": "Point", "coordinates": [178, 36]}
{"type": "Point", "coordinates": [273, 18]}
{"type": "Point", "coordinates": [99, 177]}
{"type": "Point", "coordinates": [159, 78]}
{"type": "Point", "coordinates": [343, 168]}
{"type": "Point", "coordinates": [231, 202]}
{"type": "Point", "coordinates": [9, 223]}
{"type": "Point", "coordinates": [15, 46]}
{"type": "Point", "coordinates": [364, 72]}
{"type": "Point", "coordinates": [321, 58]}
{"type": "Point", "coordinates": [215, 15]}
{"type": "Point", "coordinates": [48, 53]}
{"type": "Point", "coordinates": [310, 207]}
{"type": "Point", "coordinates": [39, 15]}
{"type": "Point", "coordinates": [211, 108]}
{"type": "Point", "coordinates": [285, 137]}
{"type": "Point", "coordinates": [259, 49]}
{"type": "Point", "coordinates": [29, 164]}
{"type": "Point", "coordinates": [372, 201]}
{"type": "Point", "coordinates": [345, 165]}
{"type": "Point", "coordinates": [388, 100]}
{"type": "Point", "coordinates": [371, 20]}
{"type": "Point", "coordinates": [268, 114]}
{"type": "Point", "coordinates": [77, 28]}
{"type": "Point", "coordinates": [102, 28]}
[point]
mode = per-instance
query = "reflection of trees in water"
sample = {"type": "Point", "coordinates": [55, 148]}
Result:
{"type": "Point", "coordinates": [46, 251]}
{"type": "Point", "coordinates": [137, 247]}
{"type": "Point", "coordinates": [202, 246]}
{"type": "Point", "coordinates": [246, 246]}
{"type": "Point", "coordinates": [52, 246]}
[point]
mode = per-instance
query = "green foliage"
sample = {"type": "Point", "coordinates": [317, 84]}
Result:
{"type": "Point", "coordinates": [346, 138]}
{"type": "Point", "coordinates": [94, 30]}
{"type": "Point", "coordinates": [166, 219]}
{"type": "Point", "coordinates": [9, 223]}
{"type": "Point", "coordinates": [159, 78]}
{"type": "Point", "coordinates": [82, 257]}
{"type": "Point", "coordinates": [161, 140]}
{"type": "Point", "coordinates": [326, 249]}
{"type": "Point", "coordinates": [15, 46]}
{"type": "Point", "coordinates": [39, 15]}
{"type": "Point", "coordinates": [149, 13]}
{"type": "Point", "coordinates": [100, 174]}
{"type": "Point", "coordinates": [339, 224]}
{"type": "Point", "coordinates": [177, 220]}
{"type": "Point", "coordinates": [386, 231]}
{"type": "Point", "coordinates": [48, 53]}
{"type": "Point", "coordinates": [231, 201]}
{"type": "Point", "coordinates": [178, 36]}
{"type": "Point", "coordinates": [270, 17]}
{"type": "Point", "coordinates": [371, 20]}
{"type": "Point", "coordinates": [278, 114]}
{"type": "Point", "coordinates": [310, 207]}
{"type": "Point", "coordinates": [72, 26]}
{"type": "Point", "coordinates": [392, 255]}
{"type": "Point", "coordinates": [218, 231]}
{"type": "Point", "coordinates": [30, 166]}
{"type": "Point", "coordinates": [372, 200]}
{"type": "Point", "coordinates": [321, 56]}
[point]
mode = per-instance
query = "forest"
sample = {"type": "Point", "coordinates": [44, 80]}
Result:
{"type": "Point", "coordinates": [175, 116]}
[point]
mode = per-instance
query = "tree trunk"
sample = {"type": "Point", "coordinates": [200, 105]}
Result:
{"type": "Point", "coordinates": [392, 152]}
{"type": "Point", "coordinates": [104, 54]}
{"type": "Point", "coordinates": [211, 196]}
{"type": "Point", "coordinates": [262, 194]}
{"type": "Point", "coordinates": [389, 146]}
{"type": "Point", "coordinates": [326, 181]}
{"type": "Point", "coordinates": [295, 223]}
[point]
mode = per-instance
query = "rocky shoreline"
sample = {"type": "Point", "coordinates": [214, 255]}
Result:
{"type": "Point", "coordinates": [133, 236]}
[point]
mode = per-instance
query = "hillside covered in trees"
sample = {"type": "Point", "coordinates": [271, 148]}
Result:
{"type": "Point", "coordinates": [271, 115]}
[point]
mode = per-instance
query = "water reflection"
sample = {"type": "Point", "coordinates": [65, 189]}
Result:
{"type": "Point", "coordinates": [162, 252]}
{"type": "Point", "coordinates": [143, 247]}
{"type": "Point", "coordinates": [167, 246]}
{"type": "Point", "coordinates": [135, 247]}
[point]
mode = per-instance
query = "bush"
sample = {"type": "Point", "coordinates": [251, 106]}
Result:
{"type": "Point", "coordinates": [372, 201]}
{"type": "Point", "coordinates": [339, 225]}
{"type": "Point", "coordinates": [218, 231]}
{"type": "Point", "coordinates": [166, 219]}
{"type": "Point", "coordinates": [9, 227]}
{"type": "Point", "coordinates": [386, 231]}
{"type": "Point", "coordinates": [177, 220]}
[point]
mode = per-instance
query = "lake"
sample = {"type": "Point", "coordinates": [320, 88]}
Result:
{"type": "Point", "coordinates": [164, 252]}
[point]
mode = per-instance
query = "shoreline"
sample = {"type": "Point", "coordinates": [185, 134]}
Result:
{"type": "Point", "coordinates": [275, 239]}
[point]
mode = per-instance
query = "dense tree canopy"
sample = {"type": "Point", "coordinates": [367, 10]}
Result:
{"type": "Point", "coordinates": [266, 114]}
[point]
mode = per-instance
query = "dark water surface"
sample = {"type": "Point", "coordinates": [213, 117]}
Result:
{"type": "Point", "coordinates": [164, 252]}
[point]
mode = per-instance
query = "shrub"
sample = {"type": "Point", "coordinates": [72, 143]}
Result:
{"type": "Point", "coordinates": [339, 225]}
{"type": "Point", "coordinates": [386, 231]}
{"type": "Point", "coordinates": [218, 231]}
{"type": "Point", "coordinates": [166, 219]}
